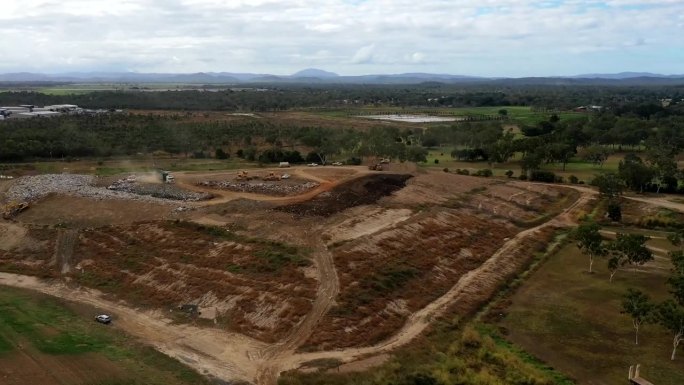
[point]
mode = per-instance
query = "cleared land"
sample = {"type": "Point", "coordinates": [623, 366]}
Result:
{"type": "Point", "coordinates": [363, 261]}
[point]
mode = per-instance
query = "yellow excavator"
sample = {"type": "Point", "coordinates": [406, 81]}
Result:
{"type": "Point", "coordinates": [12, 209]}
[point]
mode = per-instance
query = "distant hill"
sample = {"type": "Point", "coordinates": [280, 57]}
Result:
{"type": "Point", "coordinates": [627, 75]}
{"type": "Point", "coordinates": [314, 73]}
{"type": "Point", "coordinates": [318, 76]}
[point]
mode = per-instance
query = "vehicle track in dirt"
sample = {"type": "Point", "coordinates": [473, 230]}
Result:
{"type": "Point", "coordinates": [64, 249]}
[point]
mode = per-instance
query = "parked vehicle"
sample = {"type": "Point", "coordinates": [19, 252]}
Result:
{"type": "Point", "coordinates": [103, 318]}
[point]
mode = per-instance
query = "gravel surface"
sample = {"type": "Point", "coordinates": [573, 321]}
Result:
{"type": "Point", "coordinates": [268, 188]}
{"type": "Point", "coordinates": [31, 188]}
{"type": "Point", "coordinates": [158, 190]}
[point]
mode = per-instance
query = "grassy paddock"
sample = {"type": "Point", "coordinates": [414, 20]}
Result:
{"type": "Point", "coordinates": [571, 320]}
{"type": "Point", "coordinates": [40, 326]}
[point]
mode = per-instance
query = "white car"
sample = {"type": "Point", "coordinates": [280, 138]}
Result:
{"type": "Point", "coordinates": [312, 164]}
{"type": "Point", "coordinates": [103, 319]}
{"type": "Point", "coordinates": [337, 163]}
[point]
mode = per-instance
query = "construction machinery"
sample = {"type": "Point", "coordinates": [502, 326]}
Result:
{"type": "Point", "coordinates": [375, 167]}
{"type": "Point", "coordinates": [243, 175]}
{"type": "Point", "coordinates": [12, 209]}
{"type": "Point", "coordinates": [271, 176]}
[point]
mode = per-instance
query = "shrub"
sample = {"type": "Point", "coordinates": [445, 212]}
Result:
{"type": "Point", "coordinates": [485, 172]}
{"type": "Point", "coordinates": [523, 177]}
{"type": "Point", "coordinates": [509, 173]}
{"type": "Point", "coordinates": [436, 161]}
{"type": "Point", "coordinates": [573, 179]}
{"type": "Point", "coordinates": [543, 176]}
{"type": "Point", "coordinates": [445, 169]}
{"type": "Point", "coordinates": [614, 211]}
{"type": "Point", "coordinates": [353, 161]}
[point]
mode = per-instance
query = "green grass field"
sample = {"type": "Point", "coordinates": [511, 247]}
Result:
{"type": "Point", "coordinates": [114, 166]}
{"type": "Point", "coordinates": [39, 330]}
{"type": "Point", "coordinates": [571, 320]}
{"type": "Point", "coordinates": [583, 170]}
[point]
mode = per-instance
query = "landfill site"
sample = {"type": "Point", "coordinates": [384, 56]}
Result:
{"type": "Point", "coordinates": [246, 274]}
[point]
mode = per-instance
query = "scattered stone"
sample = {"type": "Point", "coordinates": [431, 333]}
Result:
{"type": "Point", "coordinates": [268, 187]}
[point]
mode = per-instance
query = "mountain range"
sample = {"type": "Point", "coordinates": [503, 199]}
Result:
{"type": "Point", "coordinates": [318, 76]}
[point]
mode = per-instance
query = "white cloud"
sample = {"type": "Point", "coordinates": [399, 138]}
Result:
{"type": "Point", "coordinates": [481, 37]}
{"type": "Point", "coordinates": [364, 55]}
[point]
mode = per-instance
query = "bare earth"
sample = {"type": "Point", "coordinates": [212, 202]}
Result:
{"type": "Point", "coordinates": [232, 356]}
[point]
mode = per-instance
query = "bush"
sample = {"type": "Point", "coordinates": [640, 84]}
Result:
{"type": "Point", "coordinates": [445, 169]}
{"type": "Point", "coordinates": [220, 154]}
{"type": "Point", "coordinates": [614, 211]}
{"type": "Point", "coordinates": [436, 161]}
{"type": "Point", "coordinates": [573, 179]}
{"type": "Point", "coordinates": [523, 177]}
{"type": "Point", "coordinates": [462, 172]}
{"type": "Point", "coordinates": [543, 176]}
{"type": "Point", "coordinates": [485, 172]}
{"type": "Point", "coordinates": [509, 173]}
{"type": "Point", "coordinates": [353, 161]}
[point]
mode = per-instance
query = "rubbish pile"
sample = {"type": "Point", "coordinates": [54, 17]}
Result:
{"type": "Point", "coordinates": [157, 190]}
{"type": "Point", "coordinates": [32, 188]}
{"type": "Point", "coordinates": [256, 187]}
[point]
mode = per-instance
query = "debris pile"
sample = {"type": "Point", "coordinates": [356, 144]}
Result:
{"type": "Point", "coordinates": [157, 190]}
{"type": "Point", "coordinates": [267, 188]}
{"type": "Point", "coordinates": [32, 188]}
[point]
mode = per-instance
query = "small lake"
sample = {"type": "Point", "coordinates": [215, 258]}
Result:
{"type": "Point", "coordinates": [413, 118]}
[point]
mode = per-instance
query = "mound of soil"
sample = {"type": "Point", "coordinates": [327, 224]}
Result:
{"type": "Point", "coordinates": [361, 191]}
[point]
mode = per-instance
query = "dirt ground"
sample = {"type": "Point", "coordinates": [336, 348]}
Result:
{"type": "Point", "coordinates": [84, 212]}
{"type": "Point", "coordinates": [29, 366]}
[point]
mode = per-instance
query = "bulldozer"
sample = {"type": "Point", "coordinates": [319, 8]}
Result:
{"type": "Point", "coordinates": [242, 175]}
{"type": "Point", "coordinates": [271, 176]}
{"type": "Point", "coordinates": [12, 209]}
{"type": "Point", "coordinates": [375, 167]}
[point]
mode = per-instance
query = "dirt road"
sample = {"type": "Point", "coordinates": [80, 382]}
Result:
{"type": "Point", "coordinates": [186, 180]}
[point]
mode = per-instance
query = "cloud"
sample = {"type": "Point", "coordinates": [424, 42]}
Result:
{"type": "Point", "coordinates": [480, 37]}
{"type": "Point", "coordinates": [364, 55]}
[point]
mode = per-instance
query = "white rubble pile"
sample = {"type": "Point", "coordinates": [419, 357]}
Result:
{"type": "Point", "coordinates": [268, 188]}
{"type": "Point", "coordinates": [31, 188]}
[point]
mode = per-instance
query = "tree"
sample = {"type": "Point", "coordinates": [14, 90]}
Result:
{"type": "Point", "coordinates": [628, 249]}
{"type": "Point", "coordinates": [637, 305]}
{"type": "Point", "coordinates": [634, 172]}
{"type": "Point", "coordinates": [589, 240]}
{"type": "Point", "coordinates": [609, 184]}
{"type": "Point", "coordinates": [671, 317]}
{"type": "Point", "coordinates": [596, 154]}
{"type": "Point", "coordinates": [220, 154]}
{"type": "Point", "coordinates": [614, 210]}
{"type": "Point", "coordinates": [677, 238]}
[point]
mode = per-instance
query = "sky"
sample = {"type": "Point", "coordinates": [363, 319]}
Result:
{"type": "Point", "coordinates": [512, 38]}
